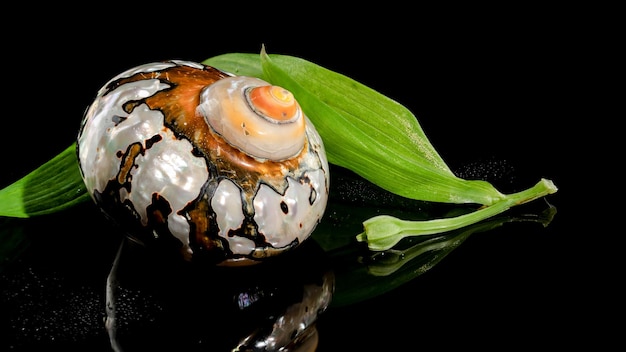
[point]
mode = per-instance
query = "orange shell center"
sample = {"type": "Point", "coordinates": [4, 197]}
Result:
{"type": "Point", "coordinates": [274, 102]}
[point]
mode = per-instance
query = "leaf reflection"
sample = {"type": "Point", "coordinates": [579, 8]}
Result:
{"type": "Point", "coordinates": [432, 250]}
{"type": "Point", "coordinates": [362, 274]}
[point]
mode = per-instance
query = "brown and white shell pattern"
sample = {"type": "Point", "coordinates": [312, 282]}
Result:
{"type": "Point", "coordinates": [219, 166]}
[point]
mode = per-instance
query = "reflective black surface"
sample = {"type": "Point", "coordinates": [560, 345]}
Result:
{"type": "Point", "coordinates": [497, 97]}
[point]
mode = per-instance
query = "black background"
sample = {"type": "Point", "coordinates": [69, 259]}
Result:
{"type": "Point", "coordinates": [508, 85]}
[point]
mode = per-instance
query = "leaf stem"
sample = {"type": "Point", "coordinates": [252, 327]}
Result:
{"type": "Point", "coordinates": [383, 232]}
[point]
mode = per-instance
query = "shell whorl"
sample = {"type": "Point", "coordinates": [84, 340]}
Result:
{"type": "Point", "coordinates": [261, 120]}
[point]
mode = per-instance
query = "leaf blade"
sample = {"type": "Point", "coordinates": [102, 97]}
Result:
{"type": "Point", "coordinates": [53, 186]}
{"type": "Point", "coordinates": [347, 115]}
{"type": "Point", "coordinates": [405, 166]}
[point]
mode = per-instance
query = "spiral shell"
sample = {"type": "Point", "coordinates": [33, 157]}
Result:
{"type": "Point", "coordinates": [226, 166]}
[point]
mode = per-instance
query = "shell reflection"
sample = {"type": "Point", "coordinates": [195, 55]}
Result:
{"type": "Point", "coordinates": [155, 300]}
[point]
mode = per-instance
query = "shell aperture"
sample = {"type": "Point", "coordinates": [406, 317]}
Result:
{"type": "Point", "coordinates": [223, 167]}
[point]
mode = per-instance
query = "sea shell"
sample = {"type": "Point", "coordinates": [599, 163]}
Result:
{"type": "Point", "coordinates": [225, 168]}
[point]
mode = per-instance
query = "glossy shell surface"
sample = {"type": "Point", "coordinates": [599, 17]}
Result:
{"type": "Point", "coordinates": [160, 155]}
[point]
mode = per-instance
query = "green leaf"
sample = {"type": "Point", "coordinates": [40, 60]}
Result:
{"type": "Point", "coordinates": [363, 130]}
{"type": "Point", "coordinates": [54, 186]}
